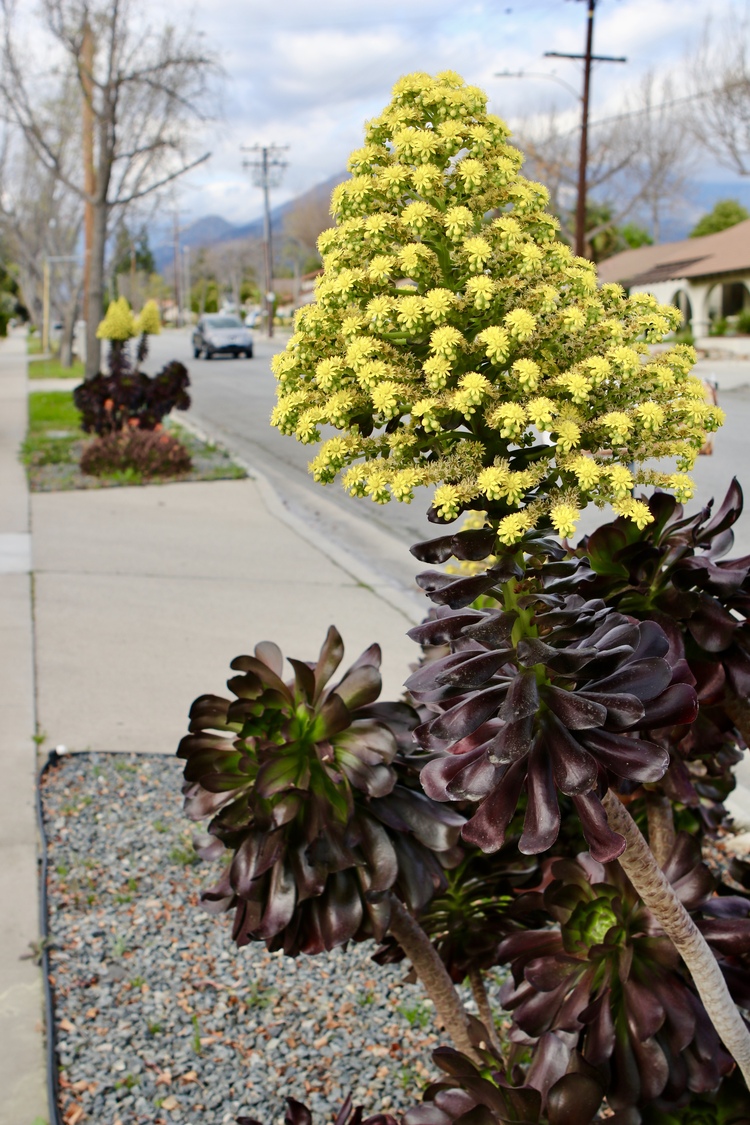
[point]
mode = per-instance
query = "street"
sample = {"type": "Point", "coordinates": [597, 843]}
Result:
{"type": "Point", "coordinates": [233, 399]}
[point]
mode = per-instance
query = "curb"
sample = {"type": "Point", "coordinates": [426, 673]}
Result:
{"type": "Point", "coordinates": [412, 608]}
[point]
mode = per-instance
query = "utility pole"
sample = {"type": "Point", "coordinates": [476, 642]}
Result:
{"type": "Point", "coordinates": [267, 170]}
{"type": "Point", "coordinates": [588, 58]}
{"type": "Point", "coordinates": [86, 64]}
{"type": "Point", "coordinates": [177, 285]}
{"type": "Point", "coordinates": [186, 281]}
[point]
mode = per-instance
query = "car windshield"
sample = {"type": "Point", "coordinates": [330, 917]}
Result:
{"type": "Point", "coordinates": [223, 322]}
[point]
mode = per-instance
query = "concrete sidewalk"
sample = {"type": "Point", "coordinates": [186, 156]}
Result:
{"type": "Point", "coordinates": [141, 597]}
{"type": "Point", "coordinates": [22, 1073]}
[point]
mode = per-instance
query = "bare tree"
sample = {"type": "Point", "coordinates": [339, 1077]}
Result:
{"type": "Point", "coordinates": [305, 220]}
{"type": "Point", "coordinates": [639, 159]}
{"type": "Point", "coordinates": [719, 76]}
{"type": "Point", "coordinates": [40, 218]}
{"type": "Point", "coordinates": [142, 89]}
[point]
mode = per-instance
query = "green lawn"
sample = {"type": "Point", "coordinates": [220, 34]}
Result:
{"type": "Point", "coordinates": [53, 369]}
{"type": "Point", "coordinates": [54, 425]}
{"type": "Point", "coordinates": [33, 345]}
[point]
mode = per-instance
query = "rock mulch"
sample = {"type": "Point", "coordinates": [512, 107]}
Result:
{"type": "Point", "coordinates": [159, 1018]}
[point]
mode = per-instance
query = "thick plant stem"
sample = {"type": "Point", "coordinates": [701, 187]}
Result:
{"type": "Point", "coordinates": [479, 992]}
{"type": "Point", "coordinates": [661, 834]}
{"type": "Point", "coordinates": [432, 974]}
{"type": "Point", "coordinates": [658, 895]}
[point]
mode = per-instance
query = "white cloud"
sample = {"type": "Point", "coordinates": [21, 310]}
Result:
{"type": "Point", "coordinates": [310, 77]}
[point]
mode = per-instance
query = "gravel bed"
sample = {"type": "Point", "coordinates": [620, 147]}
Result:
{"type": "Point", "coordinates": [159, 1017]}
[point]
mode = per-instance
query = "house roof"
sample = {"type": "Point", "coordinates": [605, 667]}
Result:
{"type": "Point", "coordinates": [725, 252]}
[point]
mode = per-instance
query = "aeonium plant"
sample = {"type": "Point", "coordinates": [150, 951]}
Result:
{"type": "Point", "coordinates": [456, 342]}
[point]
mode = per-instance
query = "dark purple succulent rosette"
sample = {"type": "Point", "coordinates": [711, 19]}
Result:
{"type": "Point", "coordinates": [674, 570]}
{"type": "Point", "coordinates": [299, 781]}
{"type": "Point", "coordinates": [477, 1092]}
{"type": "Point", "coordinates": [298, 1114]}
{"type": "Point", "coordinates": [606, 981]}
{"type": "Point", "coordinates": [568, 709]}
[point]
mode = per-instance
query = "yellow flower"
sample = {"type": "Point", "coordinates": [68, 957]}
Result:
{"type": "Point", "coordinates": [618, 425]}
{"type": "Point", "coordinates": [338, 408]}
{"type": "Point", "coordinates": [521, 324]}
{"type": "Point", "coordinates": [598, 368]}
{"type": "Point", "coordinates": [509, 230]}
{"type": "Point", "coordinates": [149, 322]}
{"type": "Point", "coordinates": [446, 341]}
{"type": "Point", "coordinates": [527, 373]}
{"type": "Point", "coordinates": [447, 501]}
{"type": "Point", "coordinates": [531, 258]}
{"type": "Point", "coordinates": [119, 323]}
{"type": "Point", "coordinates": [328, 373]}
{"type": "Point", "coordinates": [635, 511]}
{"type": "Point", "coordinates": [682, 486]}
{"type": "Point", "coordinates": [651, 416]}
{"type": "Point", "coordinates": [475, 385]}
{"type": "Point", "coordinates": [577, 386]}
{"type": "Point", "coordinates": [418, 216]}
{"type": "Point", "coordinates": [424, 412]}
{"type": "Point", "coordinates": [587, 472]}
{"type": "Point", "coordinates": [437, 369]}
{"type": "Point", "coordinates": [513, 527]}
{"type": "Point", "coordinates": [472, 172]}
{"type": "Point", "coordinates": [568, 436]}
{"type": "Point", "coordinates": [564, 518]}
{"type": "Point", "coordinates": [574, 318]}
{"type": "Point", "coordinates": [379, 309]}
{"type": "Point", "coordinates": [457, 221]}
{"type": "Point", "coordinates": [510, 419]}
{"type": "Point", "coordinates": [404, 483]}
{"type": "Point", "coordinates": [410, 312]}
{"type": "Point", "coordinates": [437, 304]}
{"type": "Point", "coordinates": [621, 480]}
{"type": "Point", "coordinates": [385, 399]}
{"type": "Point", "coordinates": [481, 289]}
{"type": "Point", "coordinates": [497, 343]}
{"type": "Point", "coordinates": [381, 267]}
{"type": "Point", "coordinates": [492, 480]}
{"type": "Point", "coordinates": [541, 412]}
{"type": "Point", "coordinates": [478, 252]}
{"type": "Point", "coordinates": [426, 178]}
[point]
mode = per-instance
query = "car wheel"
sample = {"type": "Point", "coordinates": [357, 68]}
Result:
{"type": "Point", "coordinates": [208, 354]}
{"type": "Point", "coordinates": [196, 353]}
{"type": "Point", "coordinates": [249, 353]}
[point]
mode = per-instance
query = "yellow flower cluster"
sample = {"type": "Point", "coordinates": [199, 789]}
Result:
{"type": "Point", "coordinates": [149, 321]}
{"type": "Point", "coordinates": [456, 342]}
{"type": "Point", "coordinates": [119, 322]}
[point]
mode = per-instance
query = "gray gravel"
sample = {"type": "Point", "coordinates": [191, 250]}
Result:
{"type": "Point", "coordinates": [159, 1017]}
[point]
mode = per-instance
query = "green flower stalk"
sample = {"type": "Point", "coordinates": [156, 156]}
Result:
{"type": "Point", "coordinates": [456, 342]}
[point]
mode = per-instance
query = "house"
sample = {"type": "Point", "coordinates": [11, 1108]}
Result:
{"type": "Point", "coordinates": [705, 277]}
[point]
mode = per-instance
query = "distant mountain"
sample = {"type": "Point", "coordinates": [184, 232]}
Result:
{"type": "Point", "coordinates": [210, 230]}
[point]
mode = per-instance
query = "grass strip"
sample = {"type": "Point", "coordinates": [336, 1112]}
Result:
{"type": "Point", "coordinates": [53, 369]}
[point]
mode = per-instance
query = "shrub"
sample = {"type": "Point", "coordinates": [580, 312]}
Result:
{"type": "Point", "coordinates": [743, 322]}
{"type": "Point", "coordinates": [150, 453]}
{"type": "Point", "coordinates": [109, 403]}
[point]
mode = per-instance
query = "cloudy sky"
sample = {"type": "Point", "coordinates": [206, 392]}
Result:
{"type": "Point", "coordinates": [308, 75]}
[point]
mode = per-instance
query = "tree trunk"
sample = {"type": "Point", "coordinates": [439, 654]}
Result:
{"type": "Point", "coordinates": [657, 893]}
{"type": "Point", "coordinates": [95, 309]}
{"type": "Point", "coordinates": [661, 834]}
{"type": "Point", "coordinates": [432, 974]}
{"type": "Point", "coordinates": [479, 992]}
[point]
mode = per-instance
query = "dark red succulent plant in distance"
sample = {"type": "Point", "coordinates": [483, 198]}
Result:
{"type": "Point", "coordinates": [564, 703]}
{"type": "Point", "coordinates": [300, 783]}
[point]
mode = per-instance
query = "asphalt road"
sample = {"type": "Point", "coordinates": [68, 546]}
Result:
{"type": "Point", "coordinates": [233, 399]}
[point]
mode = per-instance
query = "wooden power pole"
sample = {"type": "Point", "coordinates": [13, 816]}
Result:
{"type": "Point", "coordinates": [267, 168]}
{"type": "Point", "coordinates": [588, 58]}
{"type": "Point", "coordinates": [87, 140]}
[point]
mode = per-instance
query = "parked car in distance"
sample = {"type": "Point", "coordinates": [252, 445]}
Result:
{"type": "Point", "coordinates": [219, 334]}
